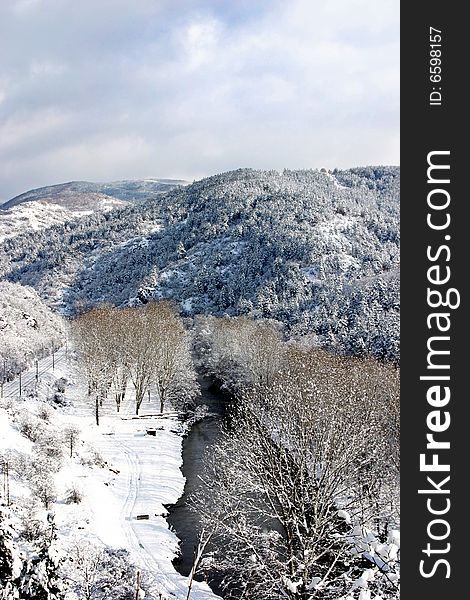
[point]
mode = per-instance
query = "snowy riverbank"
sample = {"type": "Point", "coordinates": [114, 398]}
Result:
{"type": "Point", "coordinates": [139, 474]}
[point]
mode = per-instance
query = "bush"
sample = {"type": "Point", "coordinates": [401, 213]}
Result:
{"type": "Point", "coordinates": [44, 489]}
{"type": "Point", "coordinates": [60, 385]}
{"type": "Point", "coordinates": [98, 572]}
{"type": "Point", "coordinates": [93, 459]}
{"type": "Point", "coordinates": [73, 495]}
{"type": "Point", "coordinates": [34, 528]}
{"type": "Point", "coordinates": [44, 413]}
{"type": "Point", "coordinates": [71, 436]}
{"type": "Point", "coordinates": [30, 427]}
{"type": "Point", "coordinates": [50, 447]}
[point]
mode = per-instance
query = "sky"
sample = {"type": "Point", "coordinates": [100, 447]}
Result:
{"type": "Point", "coordinates": [102, 90]}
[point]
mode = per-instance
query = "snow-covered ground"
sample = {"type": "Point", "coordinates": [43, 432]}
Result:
{"type": "Point", "coordinates": [141, 474]}
{"type": "Point", "coordinates": [41, 214]}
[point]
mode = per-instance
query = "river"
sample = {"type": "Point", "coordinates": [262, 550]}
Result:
{"type": "Point", "coordinates": [202, 435]}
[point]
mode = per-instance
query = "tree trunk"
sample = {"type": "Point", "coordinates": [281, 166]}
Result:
{"type": "Point", "coordinates": [121, 393]}
{"type": "Point", "coordinates": [138, 401]}
{"type": "Point", "coordinates": [97, 409]}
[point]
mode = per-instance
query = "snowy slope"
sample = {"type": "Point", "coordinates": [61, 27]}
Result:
{"type": "Point", "coordinates": [140, 475]}
{"type": "Point", "coordinates": [62, 203]}
{"type": "Point", "coordinates": [42, 214]}
{"type": "Point", "coordinates": [28, 327]}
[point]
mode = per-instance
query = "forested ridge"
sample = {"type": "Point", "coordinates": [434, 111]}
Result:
{"type": "Point", "coordinates": [315, 250]}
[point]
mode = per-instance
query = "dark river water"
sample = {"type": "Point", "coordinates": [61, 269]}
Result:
{"type": "Point", "coordinates": [202, 436]}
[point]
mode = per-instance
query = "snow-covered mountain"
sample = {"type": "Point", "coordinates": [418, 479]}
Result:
{"type": "Point", "coordinates": [43, 207]}
{"type": "Point", "coordinates": [316, 250]}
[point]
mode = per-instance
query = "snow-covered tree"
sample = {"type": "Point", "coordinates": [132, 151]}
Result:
{"type": "Point", "coordinates": [100, 573]}
{"type": "Point", "coordinates": [29, 571]}
{"type": "Point", "coordinates": [302, 459]}
{"type": "Point", "coordinates": [71, 437]}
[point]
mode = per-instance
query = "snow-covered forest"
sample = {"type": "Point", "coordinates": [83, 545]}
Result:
{"type": "Point", "coordinates": [280, 292]}
{"type": "Point", "coordinates": [315, 250]}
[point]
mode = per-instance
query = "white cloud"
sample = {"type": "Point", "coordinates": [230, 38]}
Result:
{"type": "Point", "coordinates": [46, 68]}
{"type": "Point", "coordinates": [200, 42]}
{"type": "Point", "coordinates": [188, 88]}
{"type": "Point", "coordinates": [23, 6]}
{"type": "Point", "coordinates": [23, 129]}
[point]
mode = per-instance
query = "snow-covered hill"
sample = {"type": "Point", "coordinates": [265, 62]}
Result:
{"type": "Point", "coordinates": [316, 250]}
{"type": "Point", "coordinates": [58, 204]}
{"type": "Point", "coordinates": [28, 328]}
{"type": "Point", "coordinates": [41, 214]}
{"type": "Point", "coordinates": [73, 194]}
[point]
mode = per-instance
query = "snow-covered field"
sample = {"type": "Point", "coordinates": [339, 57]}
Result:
{"type": "Point", "coordinates": [139, 474]}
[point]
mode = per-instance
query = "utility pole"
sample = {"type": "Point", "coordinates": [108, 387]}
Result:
{"type": "Point", "coordinates": [4, 378]}
{"type": "Point", "coordinates": [7, 476]}
{"type": "Point", "coordinates": [53, 357]}
{"type": "Point", "coordinates": [6, 481]}
{"type": "Point", "coordinates": [20, 384]}
{"type": "Point", "coordinates": [37, 371]}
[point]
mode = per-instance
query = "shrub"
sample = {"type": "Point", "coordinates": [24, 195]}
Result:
{"type": "Point", "coordinates": [44, 413]}
{"type": "Point", "coordinates": [30, 427]}
{"type": "Point", "coordinates": [50, 447]}
{"type": "Point", "coordinates": [73, 495]}
{"type": "Point", "coordinates": [44, 489]}
{"type": "Point", "coordinates": [34, 528]}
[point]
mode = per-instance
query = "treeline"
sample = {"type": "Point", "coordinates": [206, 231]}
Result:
{"type": "Point", "coordinates": [302, 491]}
{"type": "Point", "coordinates": [146, 348]}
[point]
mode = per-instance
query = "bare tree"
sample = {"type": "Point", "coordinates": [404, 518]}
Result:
{"type": "Point", "coordinates": [93, 332]}
{"type": "Point", "coordinates": [71, 437]}
{"type": "Point", "coordinates": [159, 353]}
{"type": "Point", "coordinates": [173, 373]}
{"type": "Point", "coordinates": [86, 560]}
{"type": "Point", "coordinates": [5, 465]}
{"type": "Point", "coordinates": [44, 489]}
{"type": "Point", "coordinates": [241, 351]}
{"type": "Point", "coordinates": [140, 351]}
{"type": "Point", "coordinates": [204, 539]}
{"type": "Point", "coordinates": [100, 572]}
{"type": "Point", "coordinates": [302, 451]}
{"type": "Point", "coordinates": [118, 339]}
{"type": "Point", "coordinates": [148, 346]}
